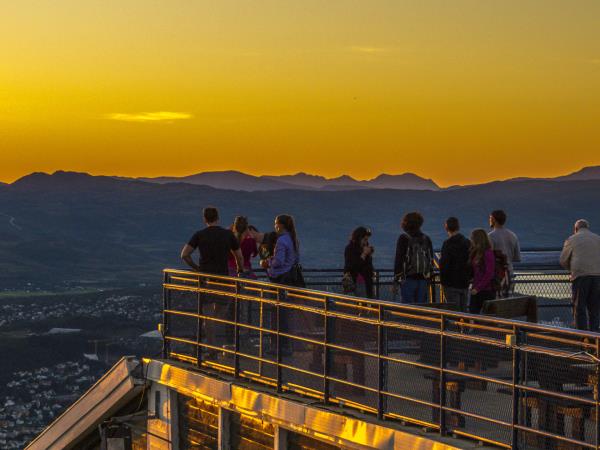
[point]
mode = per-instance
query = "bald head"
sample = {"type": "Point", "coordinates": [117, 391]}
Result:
{"type": "Point", "coordinates": [581, 224]}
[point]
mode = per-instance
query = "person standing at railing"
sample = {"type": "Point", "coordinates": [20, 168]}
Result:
{"type": "Point", "coordinates": [455, 266]}
{"type": "Point", "coordinates": [215, 244]}
{"type": "Point", "coordinates": [284, 266]}
{"type": "Point", "coordinates": [581, 256]}
{"type": "Point", "coordinates": [413, 264]}
{"type": "Point", "coordinates": [248, 247]}
{"type": "Point", "coordinates": [358, 263]}
{"type": "Point", "coordinates": [483, 265]}
{"type": "Point", "coordinates": [507, 242]}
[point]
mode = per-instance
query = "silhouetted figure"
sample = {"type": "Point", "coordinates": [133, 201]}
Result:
{"type": "Point", "coordinates": [414, 260]}
{"type": "Point", "coordinates": [483, 264]}
{"type": "Point", "coordinates": [358, 263]}
{"type": "Point", "coordinates": [455, 265]}
{"type": "Point", "coordinates": [581, 256]}
{"type": "Point", "coordinates": [507, 242]}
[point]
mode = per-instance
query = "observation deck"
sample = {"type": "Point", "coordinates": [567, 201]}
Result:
{"type": "Point", "coordinates": [250, 364]}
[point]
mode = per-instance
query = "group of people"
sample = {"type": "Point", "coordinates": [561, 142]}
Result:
{"type": "Point", "coordinates": [472, 270]}
{"type": "Point", "coordinates": [484, 262]}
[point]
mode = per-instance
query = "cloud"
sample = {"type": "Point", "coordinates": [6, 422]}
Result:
{"type": "Point", "coordinates": [595, 61]}
{"type": "Point", "coordinates": [158, 116]}
{"type": "Point", "coordinates": [368, 50]}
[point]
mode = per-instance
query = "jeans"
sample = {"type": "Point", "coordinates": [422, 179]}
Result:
{"type": "Point", "coordinates": [414, 291]}
{"type": "Point", "coordinates": [458, 296]}
{"type": "Point", "coordinates": [586, 302]}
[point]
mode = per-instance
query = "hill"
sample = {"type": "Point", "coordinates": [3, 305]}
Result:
{"type": "Point", "coordinates": [70, 226]}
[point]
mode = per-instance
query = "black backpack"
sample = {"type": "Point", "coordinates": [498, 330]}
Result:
{"type": "Point", "coordinates": [418, 260]}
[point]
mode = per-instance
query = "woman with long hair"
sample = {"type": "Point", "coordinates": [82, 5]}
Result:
{"type": "Point", "coordinates": [483, 263]}
{"type": "Point", "coordinates": [284, 266]}
{"type": "Point", "coordinates": [242, 232]}
{"type": "Point", "coordinates": [358, 262]}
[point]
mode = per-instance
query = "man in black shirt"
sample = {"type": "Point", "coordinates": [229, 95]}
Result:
{"type": "Point", "coordinates": [215, 244]}
{"type": "Point", "coordinates": [455, 268]}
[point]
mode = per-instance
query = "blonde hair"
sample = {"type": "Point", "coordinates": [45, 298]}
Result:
{"type": "Point", "coordinates": [480, 243]}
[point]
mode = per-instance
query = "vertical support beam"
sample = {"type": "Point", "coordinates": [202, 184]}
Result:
{"type": "Point", "coordinates": [278, 337]}
{"type": "Point", "coordinates": [224, 440]}
{"type": "Point", "coordinates": [174, 413]}
{"type": "Point", "coordinates": [377, 283]}
{"type": "Point", "coordinates": [597, 394]}
{"type": "Point", "coordinates": [516, 372]}
{"type": "Point", "coordinates": [381, 364]}
{"type": "Point", "coordinates": [165, 320]}
{"type": "Point", "coordinates": [442, 386]}
{"type": "Point", "coordinates": [236, 331]}
{"type": "Point", "coordinates": [327, 334]}
{"type": "Point", "coordinates": [199, 325]}
{"type": "Point", "coordinates": [281, 436]}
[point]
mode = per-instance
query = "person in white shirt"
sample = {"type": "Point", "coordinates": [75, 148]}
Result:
{"type": "Point", "coordinates": [581, 257]}
{"type": "Point", "coordinates": [508, 243]}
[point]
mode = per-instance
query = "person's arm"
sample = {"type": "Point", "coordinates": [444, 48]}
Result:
{"type": "Point", "coordinates": [445, 261]}
{"type": "Point", "coordinates": [348, 259]}
{"type": "Point", "coordinates": [186, 256]}
{"type": "Point", "coordinates": [239, 259]}
{"type": "Point", "coordinates": [517, 251]}
{"type": "Point", "coordinates": [401, 249]}
{"type": "Point", "coordinates": [565, 255]}
{"type": "Point", "coordinates": [278, 258]}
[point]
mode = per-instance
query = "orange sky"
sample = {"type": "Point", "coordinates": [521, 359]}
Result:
{"type": "Point", "coordinates": [462, 91]}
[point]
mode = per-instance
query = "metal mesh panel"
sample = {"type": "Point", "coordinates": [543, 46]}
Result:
{"type": "Point", "coordinates": [296, 441]}
{"type": "Point", "coordinates": [198, 424]}
{"type": "Point", "coordinates": [250, 433]}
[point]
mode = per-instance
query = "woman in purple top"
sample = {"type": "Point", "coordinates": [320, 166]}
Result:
{"type": "Point", "coordinates": [283, 266]}
{"type": "Point", "coordinates": [483, 262]}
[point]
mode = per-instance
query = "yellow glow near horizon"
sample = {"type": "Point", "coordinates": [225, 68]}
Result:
{"type": "Point", "coordinates": [463, 91]}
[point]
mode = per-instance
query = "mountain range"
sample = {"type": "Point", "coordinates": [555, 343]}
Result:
{"type": "Point", "coordinates": [243, 182]}
{"type": "Point", "coordinates": [239, 181]}
{"type": "Point", "coordinates": [77, 227]}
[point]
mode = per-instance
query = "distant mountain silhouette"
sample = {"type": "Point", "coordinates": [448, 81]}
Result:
{"type": "Point", "coordinates": [587, 173]}
{"type": "Point", "coordinates": [243, 182]}
{"type": "Point", "coordinates": [73, 226]}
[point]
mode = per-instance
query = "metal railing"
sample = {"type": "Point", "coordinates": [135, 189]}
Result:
{"type": "Point", "coordinates": [509, 383]}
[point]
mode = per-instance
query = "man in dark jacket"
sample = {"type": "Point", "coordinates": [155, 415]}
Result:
{"type": "Point", "coordinates": [455, 269]}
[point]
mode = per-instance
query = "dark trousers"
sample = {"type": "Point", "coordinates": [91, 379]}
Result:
{"type": "Point", "coordinates": [477, 301]}
{"type": "Point", "coordinates": [586, 302]}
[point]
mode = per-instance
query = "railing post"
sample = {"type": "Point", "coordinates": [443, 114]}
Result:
{"type": "Point", "coordinates": [377, 282]}
{"type": "Point", "coordinates": [597, 394]}
{"type": "Point", "coordinates": [326, 338]}
{"type": "Point", "coordinates": [165, 320]}
{"type": "Point", "coordinates": [278, 338]}
{"type": "Point", "coordinates": [442, 386]}
{"type": "Point", "coordinates": [516, 372]}
{"type": "Point", "coordinates": [236, 330]}
{"type": "Point", "coordinates": [199, 324]}
{"type": "Point", "coordinates": [381, 375]}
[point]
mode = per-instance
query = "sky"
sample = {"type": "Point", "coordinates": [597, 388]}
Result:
{"type": "Point", "coordinates": [460, 91]}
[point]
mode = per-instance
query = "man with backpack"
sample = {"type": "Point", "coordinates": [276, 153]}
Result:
{"type": "Point", "coordinates": [413, 265]}
{"type": "Point", "coordinates": [506, 251]}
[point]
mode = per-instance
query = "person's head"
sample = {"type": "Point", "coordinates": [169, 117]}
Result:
{"type": "Point", "coordinates": [497, 218]}
{"type": "Point", "coordinates": [581, 224]}
{"type": "Point", "coordinates": [360, 236]}
{"type": "Point", "coordinates": [211, 215]}
{"type": "Point", "coordinates": [452, 225]}
{"type": "Point", "coordinates": [480, 243]}
{"type": "Point", "coordinates": [412, 222]}
{"type": "Point", "coordinates": [240, 226]}
{"type": "Point", "coordinates": [285, 223]}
